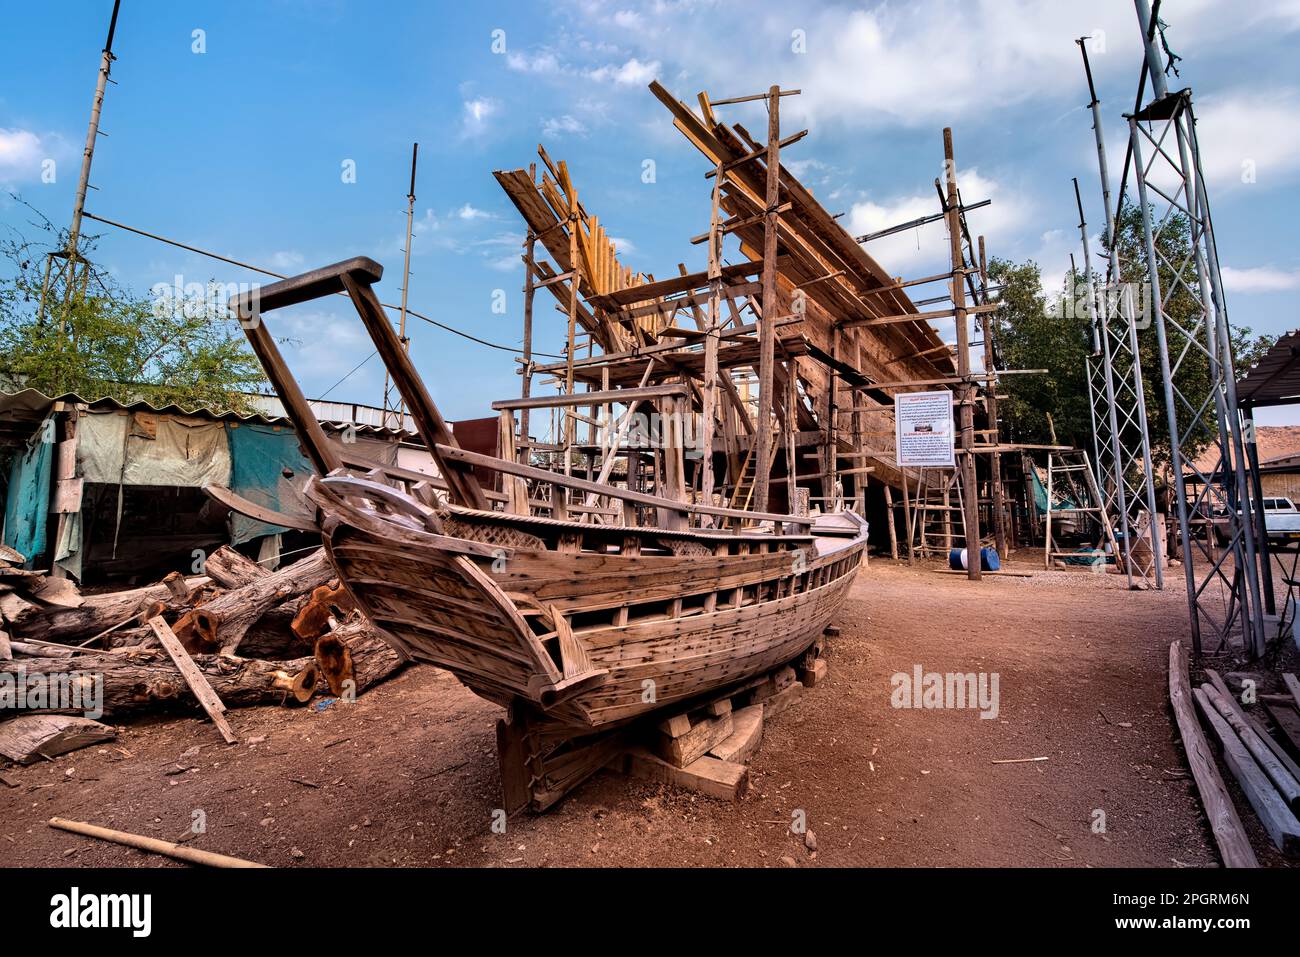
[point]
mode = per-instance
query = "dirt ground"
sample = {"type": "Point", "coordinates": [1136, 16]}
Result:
{"type": "Point", "coordinates": [408, 775]}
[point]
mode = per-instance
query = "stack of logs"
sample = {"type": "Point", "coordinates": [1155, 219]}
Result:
{"type": "Point", "coordinates": [256, 636]}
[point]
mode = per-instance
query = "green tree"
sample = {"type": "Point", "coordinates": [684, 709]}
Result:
{"type": "Point", "coordinates": [1182, 305]}
{"type": "Point", "coordinates": [1035, 331]}
{"type": "Point", "coordinates": [107, 341]}
{"type": "Point", "coordinates": [1054, 332]}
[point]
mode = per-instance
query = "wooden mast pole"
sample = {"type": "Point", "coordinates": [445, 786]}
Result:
{"type": "Point", "coordinates": [530, 291]}
{"type": "Point", "coordinates": [965, 390]}
{"type": "Point", "coordinates": [709, 388]}
{"type": "Point", "coordinates": [767, 324]}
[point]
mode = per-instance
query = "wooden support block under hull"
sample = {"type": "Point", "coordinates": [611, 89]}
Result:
{"type": "Point", "coordinates": [683, 749]}
{"type": "Point", "coordinates": [745, 738]}
{"type": "Point", "coordinates": [782, 700]}
{"type": "Point", "coordinates": [710, 776]}
{"type": "Point", "coordinates": [814, 674]}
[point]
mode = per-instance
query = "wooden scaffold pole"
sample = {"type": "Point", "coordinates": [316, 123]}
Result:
{"type": "Point", "coordinates": [965, 389]}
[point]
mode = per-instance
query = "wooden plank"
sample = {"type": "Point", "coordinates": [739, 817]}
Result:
{"type": "Point", "coordinates": [746, 736]}
{"type": "Point", "coordinates": [593, 398]}
{"type": "Point", "coordinates": [1234, 846]}
{"type": "Point", "coordinates": [1282, 827]}
{"type": "Point", "coordinates": [29, 737]}
{"type": "Point", "coordinates": [237, 503]}
{"type": "Point", "coordinates": [719, 779]}
{"type": "Point", "coordinates": [1293, 685]}
{"type": "Point", "coordinates": [193, 677]}
{"type": "Point", "coordinates": [703, 736]}
{"type": "Point", "coordinates": [528, 471]}
{"type": "Point", "coordinates": [1256, 725]}
{"type": "Point", "coordinates": [1287, 786]}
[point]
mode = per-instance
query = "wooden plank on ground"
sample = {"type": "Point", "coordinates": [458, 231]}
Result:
{"type": "Point", "coordinates": [719, 779]}
{"type": "Point", "coordinates": [193, 677]}
{"type": "Point", "coordinates": [1282, 827]}
{"type": "Point", "coordinates": [28, 737]}
{"type": "Point", "coordinates": [1234, 847]}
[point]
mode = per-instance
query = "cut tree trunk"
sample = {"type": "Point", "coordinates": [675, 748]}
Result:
{"type": "Point", "coordinates": [95, 614]}
{"type": "Point", "coordinates": [237, 610]}
{"type": "Point", "coordinates": [372, 658]}
{"type": "Point", "coordinates": [229, 569]}
{"type": "Point", "coordinates": [149, 680]}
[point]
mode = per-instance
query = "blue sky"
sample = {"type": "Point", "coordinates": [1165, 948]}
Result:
{"type": "Point", "coordinates": [240, 148]}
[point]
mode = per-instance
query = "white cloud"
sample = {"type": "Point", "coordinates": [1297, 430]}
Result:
{"type": "Point", "coordinates": [1260, 279]}
{"type": "Point", "coordinates": [21, 155]}
{"type": "Point", "coordinates": [475, 114]}
{"type": "Point", "coordinates": [286, 259]}
{"type": "Point", "coordinates": [902, 253]}
{"type": "Point", "coordinates": [323, 347]}
{"type": "Point", "coordinates": [544, 62]}
{"type": "Point", "coordinates": [632, 72]}
{"type": "Point", "coordinates": [624, 247]}
{"type": "Point", "coordinates": [1246, 132]}
{"type": "Point", "coordinates": [472, 212]}
{"type": "Point", "coordinates": [628, 20]}
{"type": "Point", "coordinates": [566, 125]}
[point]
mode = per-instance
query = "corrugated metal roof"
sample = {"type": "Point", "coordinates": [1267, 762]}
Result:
{"type": "Point", "coordinates": [31, 405]}
{"type": "Point", "coordinates": [1275, 379]}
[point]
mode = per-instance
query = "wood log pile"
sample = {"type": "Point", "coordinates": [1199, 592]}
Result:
{"type": "Point", "coordinates": [243, 635]}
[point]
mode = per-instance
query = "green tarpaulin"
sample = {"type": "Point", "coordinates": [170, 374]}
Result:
{"type": "Point", "coordinates": [266, 467]}
{"type": "Point", "coordinates": [27, 504]}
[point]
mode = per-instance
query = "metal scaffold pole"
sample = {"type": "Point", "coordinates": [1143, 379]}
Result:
{"type": "Point", "coordinates": [1115, 375]}
{"type": "Point", "coordinates": [1223, 591]}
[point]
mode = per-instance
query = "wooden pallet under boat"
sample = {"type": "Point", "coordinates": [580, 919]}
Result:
{"type": "Point", "coordinates": [576, 628]}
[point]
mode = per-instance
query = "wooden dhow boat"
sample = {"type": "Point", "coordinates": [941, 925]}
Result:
{"type": "Point", "coordinates": [578, 629]}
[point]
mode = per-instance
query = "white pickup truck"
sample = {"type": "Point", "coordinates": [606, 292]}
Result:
{"type": "Point", "coordinates": [1281, 520]}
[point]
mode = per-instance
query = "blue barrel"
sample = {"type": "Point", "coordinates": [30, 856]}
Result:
{"type": "Point", "coordinates": [989, 560]}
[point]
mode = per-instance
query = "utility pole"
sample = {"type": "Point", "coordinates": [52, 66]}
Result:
{"type": "Point", "coordinates": [400, 410]}
{"type": "Point", "coordinates": [70, 254]}
{"type": "Point", "coordinates": [965, 391]}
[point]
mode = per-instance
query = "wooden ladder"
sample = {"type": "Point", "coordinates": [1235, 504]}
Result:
{"type": "Point", "coordinates": [743, 494]}
{"type": "Point", "coordinates": [1067, 466]}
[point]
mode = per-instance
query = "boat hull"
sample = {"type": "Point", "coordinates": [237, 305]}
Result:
{"type": "Point", "coordinates": [590, 639]}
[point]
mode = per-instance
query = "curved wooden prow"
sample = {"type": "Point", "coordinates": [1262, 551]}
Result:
{"type": "Point", "coordinates": [355, 277]}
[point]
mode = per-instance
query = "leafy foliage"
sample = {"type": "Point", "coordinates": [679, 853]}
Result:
{"type": "Point", "coordinates": [106, 341]}
{"type": "Point", "coordinates": [1054, 332]}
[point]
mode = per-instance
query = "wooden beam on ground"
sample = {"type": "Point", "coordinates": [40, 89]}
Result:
{"type": "Point", "coordinates": [1234, 846]}
{"type": "Point", "coordinates": [193, 677]}
{"type": "Point", "coordinates": [1282, 827]}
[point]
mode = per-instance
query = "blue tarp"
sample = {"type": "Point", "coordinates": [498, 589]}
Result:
{"type": "Point", "coordinates": [260, 457]}
{"type": "Point", "coordinates": [27, 504]}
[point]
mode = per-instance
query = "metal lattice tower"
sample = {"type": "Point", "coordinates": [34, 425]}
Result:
{"type": "Point", "coordinates": [1223, 591]}
{"type": "Point", "coordinates": [1119, 415]}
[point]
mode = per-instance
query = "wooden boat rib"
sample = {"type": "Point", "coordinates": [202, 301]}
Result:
{"type": "Point", "coordinates": [584, 627]}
